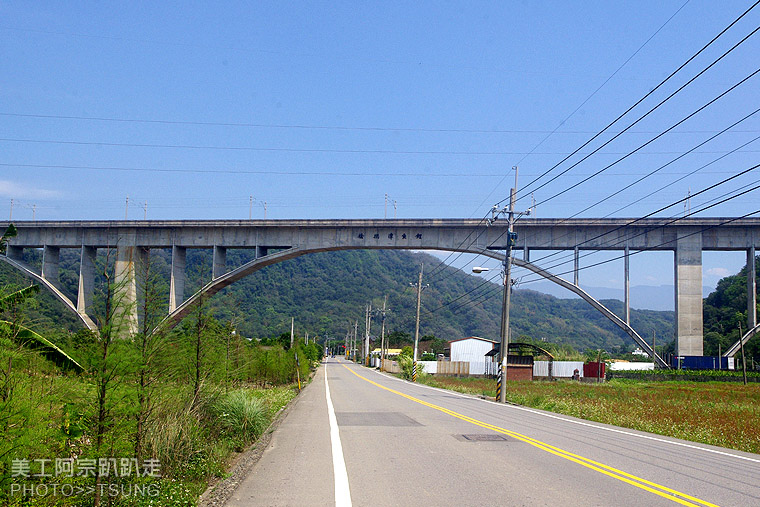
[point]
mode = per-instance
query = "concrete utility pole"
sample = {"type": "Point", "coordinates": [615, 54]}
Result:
{"type": "Point", "coordinates": [356, 333]}
{"type": "Point", "coordinates": [501, 393]}
{"type": "Point", "coordinates": [11, 215]}
{"type": "Point", "coordinates": [292, 324]}
{"type": "Point", "coordinates": [382, 334]}
{"type": "Point", "coordinates": [126, 210]}
{"type": "Point", "coordinates": [417, 326]}
{"type": "Point", "coordinates": [367, 326]}
{"type": "Point", "coordinates": [250, 207]}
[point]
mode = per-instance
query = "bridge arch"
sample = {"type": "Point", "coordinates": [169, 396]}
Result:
{"type": "Point", "coordinates": [84, 319]}
{"type": "Point", "coordinates": [248, 268]}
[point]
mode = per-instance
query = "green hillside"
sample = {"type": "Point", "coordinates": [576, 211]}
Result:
{"type": "Point", "coordinates": [327, 292]}
{"type": "Point", "coordinates": [725, 310]}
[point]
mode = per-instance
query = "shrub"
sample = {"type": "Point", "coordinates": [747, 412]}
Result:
{"type": "Point", "coordinates": [241, 414]}
{"type": "Point", "coordinates": [407, 367]}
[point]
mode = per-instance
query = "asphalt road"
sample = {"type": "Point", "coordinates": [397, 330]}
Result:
{"type": "Point", "coordinates": [404, 444]}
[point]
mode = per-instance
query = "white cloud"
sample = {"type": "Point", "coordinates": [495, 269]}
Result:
{"type": "Point", "coordinates": [719, 272]}
{"type": "Point", "coordinates": [20, 191]}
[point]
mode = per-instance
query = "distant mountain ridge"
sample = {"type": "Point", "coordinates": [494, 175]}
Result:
{"type": "Point", "coordinates": [326, 293]}
{"type": "Point", "coordinates": [643, 297]}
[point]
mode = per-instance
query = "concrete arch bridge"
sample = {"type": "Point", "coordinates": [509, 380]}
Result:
{"type": "Point", "coordinates": [279, 240]}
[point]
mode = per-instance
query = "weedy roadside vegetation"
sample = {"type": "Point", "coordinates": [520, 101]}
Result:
{"type": "Point", "coordinates": [183, 401]}
{"type": "Point", "coordinates": [715, 413]}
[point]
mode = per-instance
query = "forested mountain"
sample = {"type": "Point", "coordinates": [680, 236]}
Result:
{"type": "Point", "coordinates": [327, 293]}
{"type": "Point", "coordinates": [725, 310]}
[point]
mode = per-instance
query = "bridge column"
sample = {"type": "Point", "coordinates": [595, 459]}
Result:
{"type": "Point", "coordinates": [526, 254]}
{"type": "Point", "coordinates": [86, 279]}
{"type": "Point", "coordinates": [128, 257]}
{"type": "Point", "coordinates": [751, 289]}
{"type": "Point", "coordinates": [627, 297]}
{"type": "Point", "coordinates": [50, 259]}
{"type": "Point", "coordinates": [177, 280]}
{"type": "Point", "coordinates": [261, 251]}
{"type": "Point", "coordinates": [219, 262]}
{"type": "Point", "coordinates": [15, 252]}
{"type": "Point", "coordinates": [688, 285]}
{"type": "Point", "coordinates": [575, 267]}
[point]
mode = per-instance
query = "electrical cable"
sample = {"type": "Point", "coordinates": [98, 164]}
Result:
{"type": "Point", "coordinates": [525, 189]}
{"type": "Point", "coordinates": [649, 215]}
{"type": "Point", "coordinates": [627, 225]}
{"type": "Point", "coordinates": [700, 109]}
{"type": "Point", "coordinates": [690, 59]}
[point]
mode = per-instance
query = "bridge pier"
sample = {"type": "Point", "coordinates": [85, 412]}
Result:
{"type": "Point", "coordinates": [50, 258]}
{"type": "Point", "coordinates": [219, 264]}
{"type": "Point", "coordinates": [576, 266]}
{"type": "Point", "coordinates": [751, 289]}
{"type": "Point", "coordinates": [177, 277]}
{"type": "Point", "coordinates": [86, 279]}
{"type": "Point", "coordinates": [129, 260]}
{"type": "Point", "coordinates": [627, 289]}
{"type": "Point", "coordinates": [688, 292]}
{"type": "Point", "coordinates": [15, 252]}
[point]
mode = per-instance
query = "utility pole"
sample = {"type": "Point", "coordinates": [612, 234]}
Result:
{"type": "Point", "coordinates": [292, 323]}
{"type": "Point", "coordinates": [385, 212]}
{"type": "Point", "coordinates": [356, 332]}
{"type": "Point", "coordinates": [250, 207]}
{"type": "Point", "coordinates": [501, 393]}
{"type": "Point", "coordinates": [126, 210]}
{"type": "Point", "coordinates": [145, 210]}
{"type": "Point", "coordinates": [382, 334]}
{"type": "Point", "coordinates": [417, 326]}
{"type": "Point", "coordinates": [367, 326]}
{"type": "Point", "coordinates": [11, 215]}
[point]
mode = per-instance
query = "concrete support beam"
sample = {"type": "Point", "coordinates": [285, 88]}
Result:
{"type": "Point", "coordinates": [177, 280]}
{"type": "Point", "coordinates": [86, 279]}
{"type": "Point", "coordinates": [219, 265]}
{"type": "Point", "coordinates": [576, 266]}
{"type": "Point", "coordinates": [688, 292]}
{"type": "Point", "coordinates": [751, 289]}
{"type": "Point", "coordinates": [526, 254]}
{"type": "Point", "coordinates": [15, 252]}
{"type": "Point", "coordinates": [261, 251]}
{"type": "Point", "coordinates": [50, 258]}
{"type": "Point", "coordinates": [627, 277]}
{"type": "Point", "coordinates": [128, 257]}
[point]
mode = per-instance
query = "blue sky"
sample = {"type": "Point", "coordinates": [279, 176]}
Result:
{"type": "Point", "coordinates": [320, 109]}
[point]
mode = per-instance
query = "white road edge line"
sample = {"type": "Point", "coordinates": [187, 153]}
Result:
{"type": "Point", "coordinates": [342, 490]}
{"type": "Point", "coordinates": [582, 423]}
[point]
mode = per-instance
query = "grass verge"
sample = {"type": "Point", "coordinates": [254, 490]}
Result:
{"type": "Point", "coordinates": [715, 413]}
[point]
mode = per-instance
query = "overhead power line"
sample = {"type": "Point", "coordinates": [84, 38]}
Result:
{"type": "Point", "coordinates": [527, 188]}
{"type": "Point", "coordinates": [689, 116]}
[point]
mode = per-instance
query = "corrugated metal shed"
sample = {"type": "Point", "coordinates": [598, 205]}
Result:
{"type": "Point", "coordinates": [471, 349]}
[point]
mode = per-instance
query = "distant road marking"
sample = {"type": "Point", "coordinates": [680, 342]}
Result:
{"type": "Point", "coordinates": [591, 425]}
{"type": "Point", "coordinates": [342, 490]}
{"type": "Point", "coordinates": [652, 487]}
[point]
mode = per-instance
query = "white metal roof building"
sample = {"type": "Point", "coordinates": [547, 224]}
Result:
{"type": "Point", "coordinates": [471, 349]}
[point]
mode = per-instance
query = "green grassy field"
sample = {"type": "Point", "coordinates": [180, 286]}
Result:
{"type": "Point", "coordinates": [716, 413]}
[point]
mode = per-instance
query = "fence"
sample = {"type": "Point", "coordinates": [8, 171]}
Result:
{"type": "Point", "coordinates": [453, 368]}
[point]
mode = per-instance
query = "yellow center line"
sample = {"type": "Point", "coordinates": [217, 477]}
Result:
{"type": "Point", "coordinates": [652, 487]}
